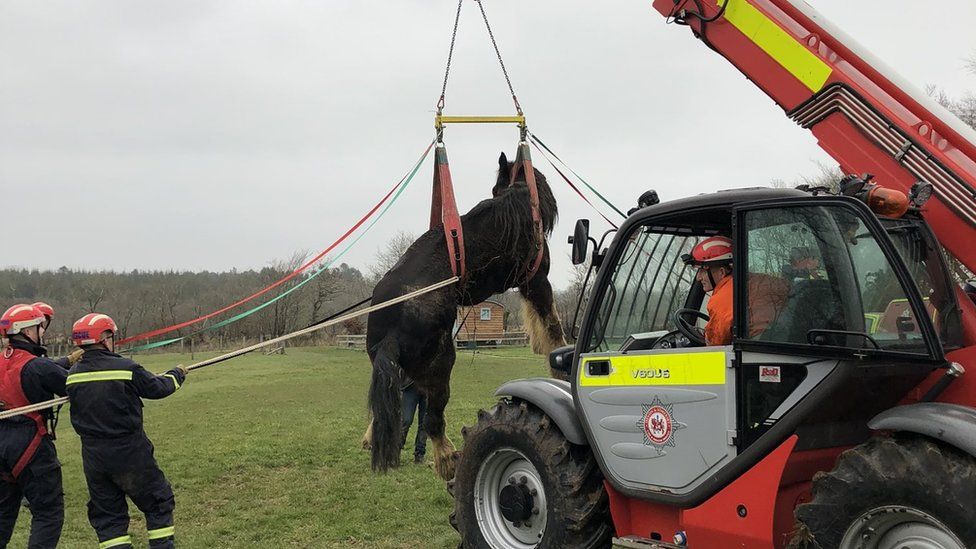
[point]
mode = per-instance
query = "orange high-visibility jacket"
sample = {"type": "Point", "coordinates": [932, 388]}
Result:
{"type": "Point", "coordinates": [767, 295]}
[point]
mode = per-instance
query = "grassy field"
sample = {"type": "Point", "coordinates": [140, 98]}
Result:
{"type": "Point", "coordinates": [263, 451]}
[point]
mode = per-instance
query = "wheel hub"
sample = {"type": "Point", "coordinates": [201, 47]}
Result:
{"type": "Point", "coordinates": [515, 503]}
{"type": "Point", "coordinates": [899, 527]}
{"type": "Point", "coordinates": [510, 501]}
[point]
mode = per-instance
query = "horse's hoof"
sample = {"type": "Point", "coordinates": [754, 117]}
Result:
{"type": "Point", "coordinates": [367, 445]}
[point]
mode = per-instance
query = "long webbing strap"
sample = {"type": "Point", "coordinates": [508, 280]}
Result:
{"type": "Point", "coordinates": [523, 161]}
{"type": "Point", "coordinates": [233, 354]}
{"type": "Point", "coordinates": [402, 185]}
{"type": "Point", "coordinates": [538, 142]}
{"type": "Point", "coordinates": [574, 187]}
{"type": "Point", "coordinates": [279, 282]}
{"type": "Point", "coordinates": [443, 211]}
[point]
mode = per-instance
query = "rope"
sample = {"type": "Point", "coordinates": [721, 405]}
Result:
{"type": "Point", "coordinates": [233, 354]}
{"type": "Point", "coordinates": [401, 186]}
{"type": "Point", "coordinates": [518, 108]}
{"type": "Point", "coordinates": [539, 142]}
{"type": "Point", "coordinates": [450, 54]}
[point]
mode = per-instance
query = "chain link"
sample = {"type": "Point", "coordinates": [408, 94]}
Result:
{"type": "Point", "coordinates": [498, 54]}
{"type": "Point", "coordinates": [450, 54]}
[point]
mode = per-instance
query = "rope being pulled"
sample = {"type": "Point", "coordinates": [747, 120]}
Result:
{"type": "Point", "coordinates": [233, 354]}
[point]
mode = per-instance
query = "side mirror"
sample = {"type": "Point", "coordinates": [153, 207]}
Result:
{"type": "Point", "coordinates": [561, 359]}
{"type": "Point", "coordinates": [580, 240]}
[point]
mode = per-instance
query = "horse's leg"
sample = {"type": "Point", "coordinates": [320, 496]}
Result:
{"type": "Point", "coordinates": [367, 441]}
{"type": "Point", "coordinates": [539, 315]}
{"type": "Point", "coordinates": [438, 391]}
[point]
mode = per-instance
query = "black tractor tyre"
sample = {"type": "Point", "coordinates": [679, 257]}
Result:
{"type": "Point", "coordinates": [577, 506]}
{"type": "Point", "coordinates": [903, 472]}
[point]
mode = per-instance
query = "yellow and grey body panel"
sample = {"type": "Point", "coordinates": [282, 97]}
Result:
{"type": "Point", "coordinates": [663, 420]}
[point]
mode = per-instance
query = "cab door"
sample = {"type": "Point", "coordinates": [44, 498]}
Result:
{"type": "Point", "coordinates": [661, 416]}
{"type": "Point", "coordinates": [850, 337]}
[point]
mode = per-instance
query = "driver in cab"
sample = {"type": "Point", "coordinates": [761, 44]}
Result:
{"type": "Point", "coordinates": [713, 257]}
{"type": "Point", "coordinates": [767, 294]}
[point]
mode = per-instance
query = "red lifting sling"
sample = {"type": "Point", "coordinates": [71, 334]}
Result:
{"type": "Point", "coordinates": [523, 161]}
{"type": "Point", "coordinates": [443, 211]}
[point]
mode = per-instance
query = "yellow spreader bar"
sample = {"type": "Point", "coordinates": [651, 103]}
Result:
{"type": "Point", "coordinates": [441, 120]}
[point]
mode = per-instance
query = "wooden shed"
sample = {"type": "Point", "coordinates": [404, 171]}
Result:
{"type": "Point", "coordinates": [483, 322]}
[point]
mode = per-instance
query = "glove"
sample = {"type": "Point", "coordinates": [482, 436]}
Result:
{"type": "Point", "coordinates": [182, 369]}
{"type": "Point", "coordinates": [75, 356]}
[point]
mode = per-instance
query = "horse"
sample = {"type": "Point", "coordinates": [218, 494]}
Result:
{"type": "Point", "coordinates": [416, 338]}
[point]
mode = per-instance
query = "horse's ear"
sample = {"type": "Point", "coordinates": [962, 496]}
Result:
{"type": "Point", "coordinates": [503, 180]}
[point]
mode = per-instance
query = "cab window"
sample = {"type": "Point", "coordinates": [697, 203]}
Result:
{"type": "Point", "coordinates": [647, 285]}
{"type": "Point", "coordinates": [818, 276]}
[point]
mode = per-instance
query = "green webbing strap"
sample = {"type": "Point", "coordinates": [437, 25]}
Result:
{"type": "Point", "coordinates": [583, 181]}
{"type": "Point", "coordinates": [308, 279]}
{"type": "Point", "coordinates": [148, 346]}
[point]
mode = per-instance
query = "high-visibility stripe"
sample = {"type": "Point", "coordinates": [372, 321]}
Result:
{"type": "Point", "coordinates": [706, 368]}
{"type": "Point", "coordinates": [107, 375]}
{"type": "Point", "coordinates": [115, 542]}
{"type": "Point", "coordinates": [786, 50]}
{"type": "Point", "coordinates": [162, 532]}
{"type": "Point", "coordinates": [175, 382]}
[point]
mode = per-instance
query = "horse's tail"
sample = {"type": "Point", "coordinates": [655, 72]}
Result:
{"type": "Point", "coordinates": [384, 403]}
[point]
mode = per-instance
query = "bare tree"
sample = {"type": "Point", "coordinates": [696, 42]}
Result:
{"type": "Point", "coordinates": [829, 176]}
{"type": "Point", "coordinates": [326, 287]}
{"type": "Point", "coordinates": [93, 291]}
{"type": "Point", "coordinates": [285, 311]}
{"type": "Point", "coordinates": [388, 256]}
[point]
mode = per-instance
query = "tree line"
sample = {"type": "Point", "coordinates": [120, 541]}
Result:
{"type": "Point", "coordinates": [145, 300]}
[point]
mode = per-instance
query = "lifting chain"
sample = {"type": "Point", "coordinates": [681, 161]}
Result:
{"type": "Point", "coordinates": [494, 44]}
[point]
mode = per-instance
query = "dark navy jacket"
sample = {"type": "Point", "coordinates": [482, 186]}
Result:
{"type": "Point", "coordinates": [106, 392]}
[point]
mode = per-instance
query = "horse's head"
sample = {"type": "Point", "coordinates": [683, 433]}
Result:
{"type": "Point", "coordinates": [547, 202]}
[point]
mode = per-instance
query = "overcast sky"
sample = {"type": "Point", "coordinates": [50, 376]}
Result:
{"type": "Point", "coordinates": [221, 134]}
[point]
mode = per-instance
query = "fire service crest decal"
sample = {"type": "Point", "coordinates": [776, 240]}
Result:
{"type": "Point", "coordinates": [657, 424]}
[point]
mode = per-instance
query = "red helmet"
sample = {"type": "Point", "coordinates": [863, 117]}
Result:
{"type": "Point", "coordinates": [91, 328]}
{"type": "Point", "coordinates": [715, 250]}
{"type": "Point", "coordinates": [45, 308]}
{"type": "Point", "coordinates": [18, 317]}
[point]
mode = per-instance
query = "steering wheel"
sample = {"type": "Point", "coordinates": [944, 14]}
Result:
{"type": "Point", "coordinates": [688, 328]}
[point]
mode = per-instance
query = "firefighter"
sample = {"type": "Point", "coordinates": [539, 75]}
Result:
{"type": "Point", "coordinates": [713, 257]}
{"type": "Point", "coordinates": [106, 411]}
{"type": "Point", "coordinates": [65, 361]}
{"type": "Point", "coordinates": [29, 464]}
{"type": "Point", "coordinates": [766, 294]}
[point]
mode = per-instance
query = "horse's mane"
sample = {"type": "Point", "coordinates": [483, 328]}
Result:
{"type": "Point", "coordinates": [511, 213]}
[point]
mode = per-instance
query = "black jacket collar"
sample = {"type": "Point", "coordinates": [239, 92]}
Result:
{"type": "Point", "coordinates": [25, 345]}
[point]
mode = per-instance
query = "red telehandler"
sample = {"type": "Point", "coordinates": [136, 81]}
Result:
{"type": "Point", "coordinates": [840, 416]}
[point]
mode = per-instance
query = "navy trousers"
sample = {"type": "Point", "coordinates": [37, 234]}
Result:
{"type": "Point", "coordinates": [40, 483]}
{"type": "Point", "coordinates": [116, 468]}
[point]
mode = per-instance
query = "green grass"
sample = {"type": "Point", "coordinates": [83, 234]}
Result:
{"type": "Point", "coordinates": [264, 451]}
